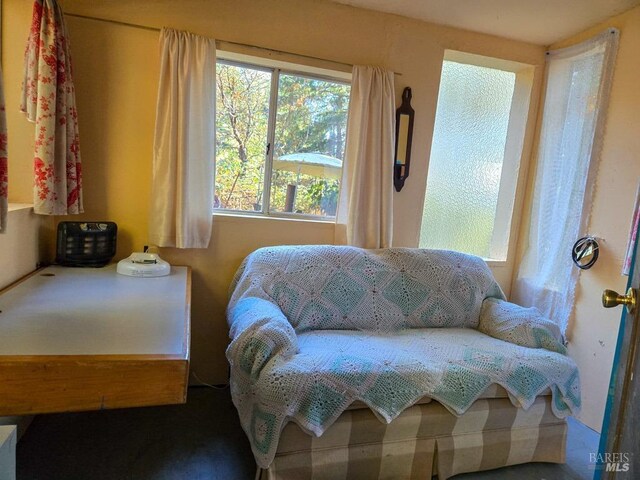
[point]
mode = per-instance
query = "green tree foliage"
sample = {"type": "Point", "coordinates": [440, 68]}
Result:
{"type": "Point", "coordinates": [242, 97]}
{"type": "Point", "coordinates": [311, 117]}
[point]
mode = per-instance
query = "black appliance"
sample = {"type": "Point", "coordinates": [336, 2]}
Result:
{"type": "Point", "coordinates": [86, 244]}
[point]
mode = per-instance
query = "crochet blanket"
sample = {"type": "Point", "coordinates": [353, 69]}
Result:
{"type": "Point", "coordinates": [315, 328]}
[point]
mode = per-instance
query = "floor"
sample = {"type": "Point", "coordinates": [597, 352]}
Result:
{"type": "Point", "coordinates": [202, 440]}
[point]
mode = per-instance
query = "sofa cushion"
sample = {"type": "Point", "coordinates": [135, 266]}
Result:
{"type": "Point", "coordinates": [519, 325]}
{"type": "Point", "coordinates": [322, 287]}
{"type": "Point", "coordinates": [391, 372]}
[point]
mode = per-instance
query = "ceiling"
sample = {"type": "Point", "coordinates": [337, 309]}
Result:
{"type": "Point", "coordinates": [542, 22]}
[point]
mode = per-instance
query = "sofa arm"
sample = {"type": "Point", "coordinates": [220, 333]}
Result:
{"type": "Point", "coordinates": [519, 325]}
{"type": "Point", "coordinates": [259, 331]}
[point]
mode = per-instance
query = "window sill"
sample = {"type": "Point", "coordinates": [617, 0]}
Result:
{"type": "Point", "coordinates": [495, 263]}
{"type": "Point", "coordinates": [13, 207]}
{"type": "Point", "coordinates": [239, 216]}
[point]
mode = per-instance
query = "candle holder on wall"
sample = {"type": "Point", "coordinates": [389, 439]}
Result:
{"type": "Point", "coordinates": [404, 134]}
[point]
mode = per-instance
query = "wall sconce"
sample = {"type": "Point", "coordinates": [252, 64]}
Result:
{"type": "Point", "coordinates": [404, 134]}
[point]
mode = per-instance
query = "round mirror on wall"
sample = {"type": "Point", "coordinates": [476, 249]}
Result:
{"type": "Point", "coordinates": [585, 252]}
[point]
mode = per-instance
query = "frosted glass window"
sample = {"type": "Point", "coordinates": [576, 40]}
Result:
{"type": "Point", "coordinates": [466, 165]}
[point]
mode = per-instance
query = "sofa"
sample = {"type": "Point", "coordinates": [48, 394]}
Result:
{"type": "Point", "coordinates": [397, 363]}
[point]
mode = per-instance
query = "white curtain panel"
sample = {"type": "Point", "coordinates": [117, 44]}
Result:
{"type": "Point", "coordinates": [577, 90]}
{"type": "Point", "coordinates": [184, 144]}
{"type": "Point", "coordinates": [365, 209]}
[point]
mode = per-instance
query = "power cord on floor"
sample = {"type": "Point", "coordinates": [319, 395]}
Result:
{"type": "Point", "coordinates": [205, 384]}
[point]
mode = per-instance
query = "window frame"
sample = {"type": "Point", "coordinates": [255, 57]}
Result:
{"type": "Point", "coordinates": [516, 152]}
{"type": "Point", "coordinates": [276, 68]}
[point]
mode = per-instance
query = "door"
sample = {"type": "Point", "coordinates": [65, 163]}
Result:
{"type": "Point", "coordinates": [619, 451]}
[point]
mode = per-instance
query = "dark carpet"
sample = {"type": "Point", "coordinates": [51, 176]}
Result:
{"type": "Point", "coordinates": [201, 440]}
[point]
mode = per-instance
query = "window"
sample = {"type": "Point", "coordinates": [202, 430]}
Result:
{"type": "Point", "coordinates": [473, 167]}
{"type": "Point", "coordinates": [280, 139]}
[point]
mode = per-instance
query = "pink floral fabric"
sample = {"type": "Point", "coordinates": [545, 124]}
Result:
{"type": "Point", "coordinates": [48, 99]}
{"type": "Point", "coordinates": [4, 169]}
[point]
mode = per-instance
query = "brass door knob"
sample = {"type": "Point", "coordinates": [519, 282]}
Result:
{"type": "Point", "coordinates": [613, 299]}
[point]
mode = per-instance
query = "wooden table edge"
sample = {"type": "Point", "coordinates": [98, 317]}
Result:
{"type": "Point", "coordinates": [178, 363]}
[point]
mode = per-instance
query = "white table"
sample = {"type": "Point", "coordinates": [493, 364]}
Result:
{"type": "Point", "coordinates": [89, 338]}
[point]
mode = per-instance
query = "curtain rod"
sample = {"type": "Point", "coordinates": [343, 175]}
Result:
{"type": "Point", "coordinates": [237, 44]}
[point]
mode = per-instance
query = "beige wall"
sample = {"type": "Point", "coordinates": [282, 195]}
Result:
{"type": "Point", "coordinates": [24, 244]}
{"type": "Point", "coordinates": [22, 247]}
{"type": "Point", "coordinates": [16, 17]}
{"type": "Point", "coordinates": [116, 72]}
{"type": "Point", "coordinates": [593, 330]}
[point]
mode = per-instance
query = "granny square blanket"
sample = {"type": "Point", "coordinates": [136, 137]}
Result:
{"type": "Point", "coordinates": [315, 328]}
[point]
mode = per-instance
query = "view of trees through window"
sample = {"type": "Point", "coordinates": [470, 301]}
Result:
{"type": "Point", "coordinates": [295, 153]}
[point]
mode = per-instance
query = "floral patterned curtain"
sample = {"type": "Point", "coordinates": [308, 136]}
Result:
{"type": "Point", "coordinates": [4, 200]}
{"type": "Point", "coordinates": [48, 99]}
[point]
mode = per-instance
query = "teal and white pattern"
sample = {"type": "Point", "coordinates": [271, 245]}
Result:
{"type": "Point", "coordinates": [315, 328]}
{"type": "Point", "coordinates": [519, 325]}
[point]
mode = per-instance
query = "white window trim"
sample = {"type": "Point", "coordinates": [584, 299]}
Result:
{"type": "Point", "coordinates": [504, 231]}
{"type": "Point", "coordinates": [221, 212]}
{"type": "Point", "coordinates": [277, 67]}
{"type": "Point", "coordinates": [289, 67]}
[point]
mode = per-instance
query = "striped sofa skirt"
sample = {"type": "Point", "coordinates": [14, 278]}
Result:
{"type": "Point", "coordinates": [425, 440]}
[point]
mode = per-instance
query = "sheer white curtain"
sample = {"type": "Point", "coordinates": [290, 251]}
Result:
{"type": "Point", "coordinates": [364, 216]}
{"type": "Point", "coordinates": [184, 144]}
{"type": "Point", "coordinates": [577, 90]}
